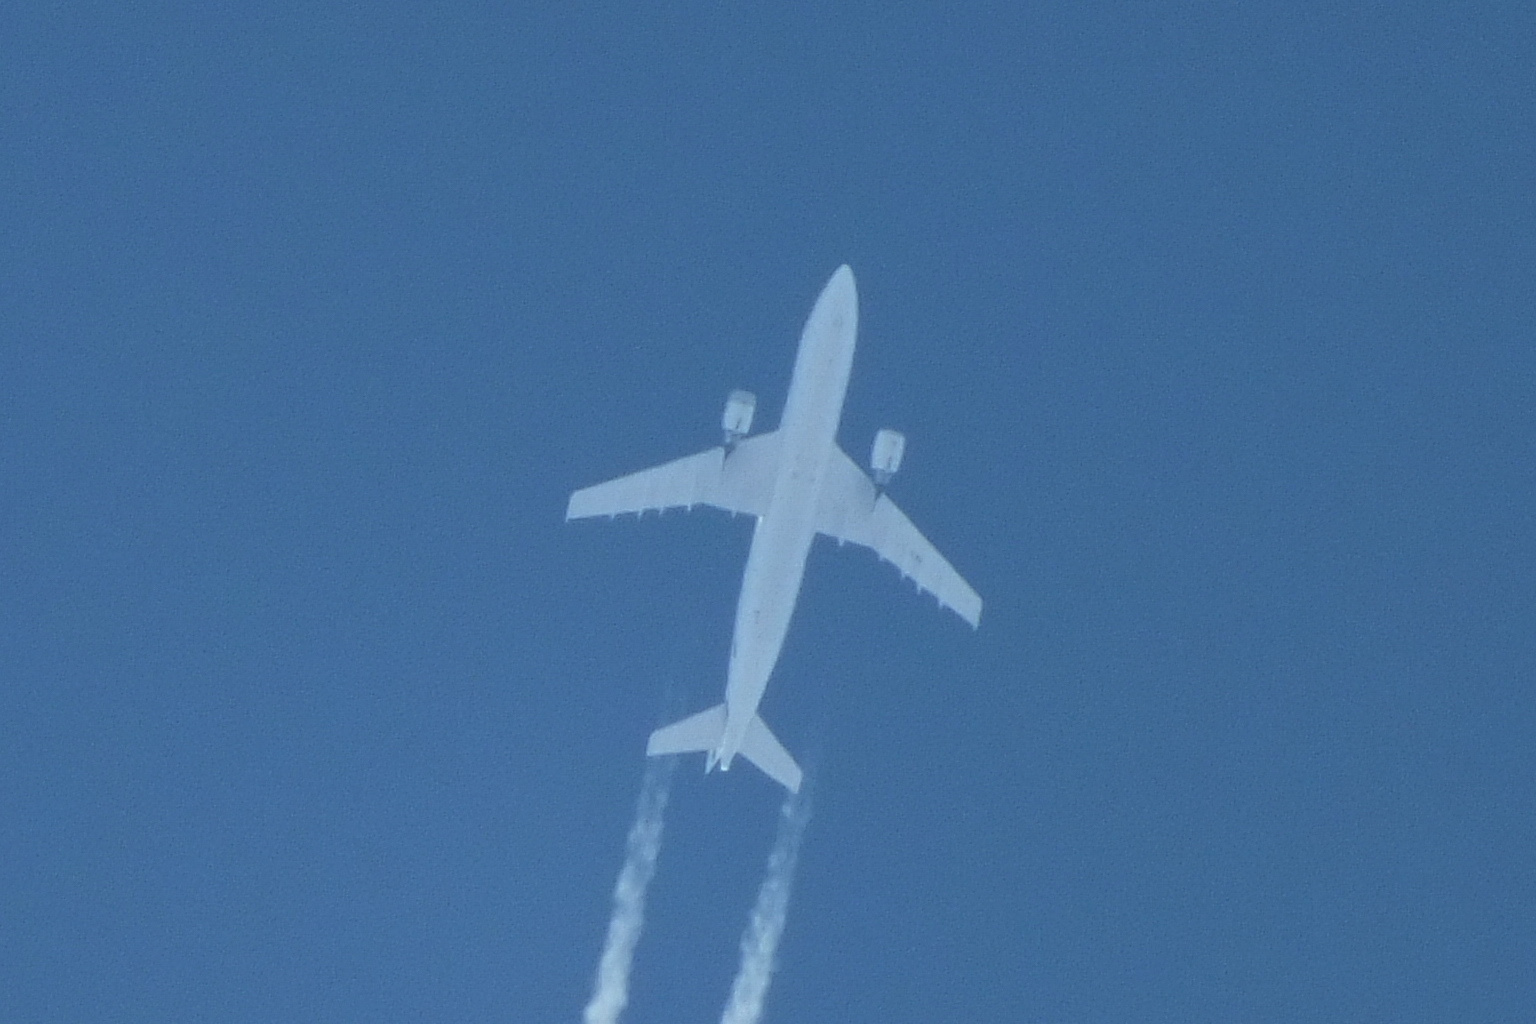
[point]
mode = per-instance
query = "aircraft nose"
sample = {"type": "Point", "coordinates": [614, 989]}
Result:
{"type": "Point", "coordinates": [842, 278]}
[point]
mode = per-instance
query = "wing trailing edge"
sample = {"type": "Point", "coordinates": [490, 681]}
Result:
{"type": "Point", "coordinates": [853, 510]}
{"type": "Point", "coordinates": [739, 481]}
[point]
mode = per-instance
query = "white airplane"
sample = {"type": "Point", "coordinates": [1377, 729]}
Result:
{"type": "Point", "coordinates": [798, 483]}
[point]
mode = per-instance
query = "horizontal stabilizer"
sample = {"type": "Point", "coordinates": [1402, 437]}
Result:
{"type": "Point", "coordinates": [763, 749]}
{"type": "Point", "coordinates": [693, 734]}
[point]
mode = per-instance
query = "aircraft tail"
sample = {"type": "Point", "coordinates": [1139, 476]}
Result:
{"type": "Point", "coordinates": [763, 749]}
{"type": "Point", "coordinates": [702, 733]}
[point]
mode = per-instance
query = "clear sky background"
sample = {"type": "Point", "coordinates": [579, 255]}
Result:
{"type": "Point", "coordinates": [1210, 327]}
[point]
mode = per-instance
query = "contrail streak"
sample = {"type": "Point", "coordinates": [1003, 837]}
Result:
{"type": "Point", "coordinates": [610, 992]}
{"type": "Point", "coordinates": [760, 943]}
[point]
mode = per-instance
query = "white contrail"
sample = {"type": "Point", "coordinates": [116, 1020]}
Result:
{"type": "Point", "coordinates": [760, 943]}
{"type": "Point", "coordinates": [610, 992]}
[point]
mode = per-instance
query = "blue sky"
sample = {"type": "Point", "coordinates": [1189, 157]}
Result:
{"type": "Point", "coordinates": [1209, 326]}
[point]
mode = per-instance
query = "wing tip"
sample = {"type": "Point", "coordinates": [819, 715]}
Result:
{"type": "Point", "coordinates": [971, 612]}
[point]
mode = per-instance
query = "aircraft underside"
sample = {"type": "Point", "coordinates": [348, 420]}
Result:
{"type": "Point", "coordinates": [798, 483]}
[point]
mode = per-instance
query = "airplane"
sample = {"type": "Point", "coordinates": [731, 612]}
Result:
{"type": "Point", "coordinates": [798, 483]}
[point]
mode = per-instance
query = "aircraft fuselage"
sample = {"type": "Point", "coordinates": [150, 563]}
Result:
{"type": "Point", "coordinates": [782, 538]}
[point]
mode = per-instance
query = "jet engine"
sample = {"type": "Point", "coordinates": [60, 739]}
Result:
{"type": "Point", "coordinates": [885, 457]}
{"type": "Point", "coordinates": [737, 420]}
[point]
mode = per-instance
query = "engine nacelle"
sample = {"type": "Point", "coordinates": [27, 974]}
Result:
{"type": "Point", "coordinates": [737, 420]}
{"type": "Point", "coordinates": [885, 457]}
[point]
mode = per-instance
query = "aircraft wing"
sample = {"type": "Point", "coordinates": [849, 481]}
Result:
{"type": "Point", "coordinates": [739, 482]}
{"type": "Point", "coordinates": [852, 510]}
